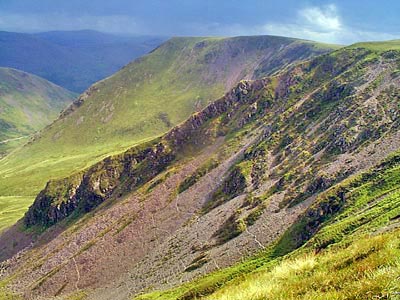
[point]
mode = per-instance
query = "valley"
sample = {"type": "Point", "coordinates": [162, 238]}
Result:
{"type": "Point", "coordinates": [72, 59]}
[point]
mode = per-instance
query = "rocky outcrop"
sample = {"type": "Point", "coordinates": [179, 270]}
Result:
{"type": "Point", "coordinates": [55, 202]}
{"type": "Point", "coordinates": [244, 93]}
{"type": "Point", "coordinates": [79, 101]}
{"type": "Point", "coordinates": [83, 192]}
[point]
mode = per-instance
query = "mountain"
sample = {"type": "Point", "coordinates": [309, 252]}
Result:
{"type": "Point", "coordinates": [300, 169]}
{"type": "Point", "coordinates": [144, 100]}
{"type": "Point", "coordinates": [71, 59]}
{"type": "Point", "coordinates": [27, 104]}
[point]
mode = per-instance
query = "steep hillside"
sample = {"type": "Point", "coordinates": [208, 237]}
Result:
{"type": "Point", "coordinates": [274, 165]}
{"type": "Point", "coordinates": [73, 60]}
{"type": "Point", "coordinates": [144, 100]}
{"type": "Point", "coordinates": [350, 249]}
{"type": "Point", "coordinates": [27, 104]}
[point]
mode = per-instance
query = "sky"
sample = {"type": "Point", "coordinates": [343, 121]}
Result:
{"type": "Point", "coordinates": [337, 21]}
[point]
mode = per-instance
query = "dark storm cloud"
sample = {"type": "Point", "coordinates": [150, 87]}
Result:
{"type": "Point", "coordinates": [329, 21]}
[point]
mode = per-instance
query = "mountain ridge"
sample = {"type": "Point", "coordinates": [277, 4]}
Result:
{"type": "Point", "coordinates": [144, 100]}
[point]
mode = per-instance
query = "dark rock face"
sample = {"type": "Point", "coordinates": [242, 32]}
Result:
{"type": "Point", "coordinates": [56, 201]}
{"type": "Point", "coordinates": [235, 184]}
{"type": "Point", "coordinates": [320, 183]}
{"type": "Point", "coordinates": [321, 213]}
{"type": "Point", "coordinates": [242, 94]}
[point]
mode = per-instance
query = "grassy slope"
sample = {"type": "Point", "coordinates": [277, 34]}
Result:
{"type": "Point", "coordinates": [142, 101]}
{"type": "Point", "coordinates": [379, 46]}
{"type": "Point", "coordinates": [28, 103]}
{"type": "Point", "coordinates": [12, 208]}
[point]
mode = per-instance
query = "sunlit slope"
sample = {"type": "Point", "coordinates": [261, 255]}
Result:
{"type": "Point", "coordinates": [345, 245]}
{"type": "Point", "coordinates": [379, 46]}
{"type": "Point", "coordinates": [27, 104]}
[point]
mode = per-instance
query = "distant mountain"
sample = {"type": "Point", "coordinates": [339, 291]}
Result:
{"type": "Point", "coordinates": [72, 59]}
{"type": "Point", "coordinates": [27, 104]}
{"type": "Point", "coordinates": [286, 187]}
{"type": "Point", "coordinates": [91, 38]}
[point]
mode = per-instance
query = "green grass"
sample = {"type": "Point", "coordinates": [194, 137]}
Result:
{"type": "Point", "coordinates": [325, 46]}
{"type": "Point", "coordinates": [365, 269]}
{"type": "Point", "coordinates": [379, 46]}
{"type": "Point", "coordinates": [5, 293]}
{"type": "Point", "coordinates": [12, 209]}
{"type": "Point", "coordinates": [12, 144]}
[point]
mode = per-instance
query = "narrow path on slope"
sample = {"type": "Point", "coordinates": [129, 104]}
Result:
{"type": "Point", "coordinates": [14, 139]}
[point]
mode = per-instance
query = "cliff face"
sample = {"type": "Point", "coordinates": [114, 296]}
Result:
{"type": "Point", "coordinates": [232, 179]}
{"type": "Point", "coordinates": [118, 175]}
